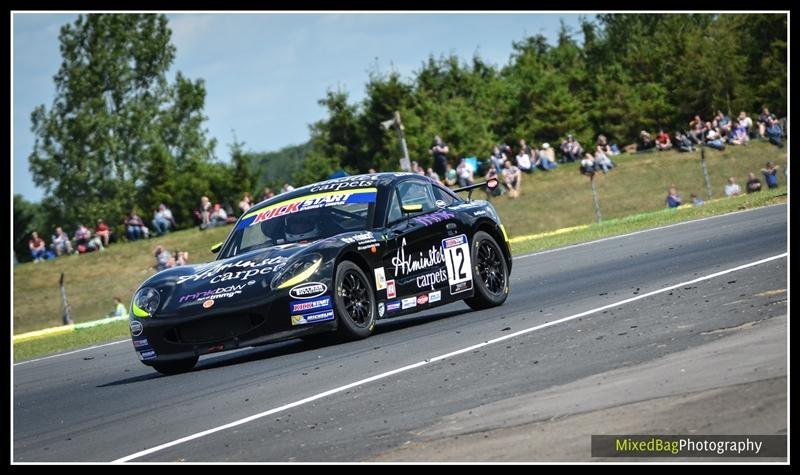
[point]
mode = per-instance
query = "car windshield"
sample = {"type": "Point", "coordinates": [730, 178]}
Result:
{"type": "Point", "coordinates": [302, 219]}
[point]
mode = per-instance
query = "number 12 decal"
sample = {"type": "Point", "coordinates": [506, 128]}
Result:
{"type": "Point", "coordinates": [459, 264]}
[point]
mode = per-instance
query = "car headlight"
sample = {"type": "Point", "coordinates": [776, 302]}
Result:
{"type": "Point", "coordinates": [297, 271]}
{"type": "Point", "coordinates": [145, 302]}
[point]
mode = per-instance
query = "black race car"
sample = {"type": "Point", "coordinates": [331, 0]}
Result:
{"type": "Point", "coordinates": [335, 256]}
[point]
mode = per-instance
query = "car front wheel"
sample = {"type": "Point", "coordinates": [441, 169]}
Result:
{"type": "Point", "coordinates": [355, 302]}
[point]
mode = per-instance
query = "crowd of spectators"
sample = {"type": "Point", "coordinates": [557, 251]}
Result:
{"type": "Point", "coordinates": [732, 188]}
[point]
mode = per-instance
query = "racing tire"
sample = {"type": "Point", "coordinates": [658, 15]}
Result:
{"type": "Point", "coordinates": [175, 367]}
{"type": "Point", "coordinates": [354, 302]}
{"type": "Point", "coordinates": [489, 273]}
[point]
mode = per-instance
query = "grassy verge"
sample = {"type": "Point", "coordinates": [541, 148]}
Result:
{"type": "Point", "coordinates": [521, 244]}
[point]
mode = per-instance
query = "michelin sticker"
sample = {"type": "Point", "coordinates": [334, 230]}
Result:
{"type": "Point", "coordinates": [312, 318]}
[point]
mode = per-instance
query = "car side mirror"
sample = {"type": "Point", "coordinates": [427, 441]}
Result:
{"type": "Point", "coordinates": [408, 209]}
{"type": "Point", "coordinates": [216, 247]}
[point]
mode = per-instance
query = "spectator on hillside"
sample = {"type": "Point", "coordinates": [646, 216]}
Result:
{"type": "Point", "coordinates": [102, 231]}
{"type": "Point", "coordinates": [372, 171]}
{"type": "Point", "coordinates": [571, 150]}
{"type": "Point", "coordinates": [602, 145]}
{"type": "Point", "coordinates": [763, 120]}
{"type": "Point", "coordinates": [673, 198]}
{"type": "Point", "coordinates": [547, 153]}
{"type": "Point", "coordinates": [85, 242]}
{"type": "Point", "coordinates": [732, 189]}
{"type": "Point", "coordinates": [135, 228]}
{"type": "Point", "coordinates": [163, 221]}
{"type": "Point", "coordinates": [663, 142]}
{"type": "Point", "coordinates": [714, 140]}
{"type": "Point", "coordinates": [753, 183]}
{"type": "Point", "coordinates": [205, 212]}
{"type": "Point", "coordinates": [774, 131]}
{"type": "Point", "coordinates": [498, 158]}
{"type": "Point", "coordinates": [770, 172]}
{"type": "Point", "coordinates": [697, 130]}
{"type": "Point", "coordinates": [439, 150]}
{"type": "Point", "coordinates": [512, 178]}
{"type": "Point", "coordinates": [162, 258]}
{"type": "Point", "coordinates": [696, 201]}
{"type": "Point", "coordinates": [746, 122]}
{"type": "Point", "coordinates": [601, 161]}
{"type": "Point", "coordinates": [218, 217]}
{"type": "Point", "coordinates": [682, 142]}
{"type": "Point", "coordinates": [433, 175]}
{"type": "Point", "coordinates": [465, 174]}
{"type": "Point", "coordinates": [450, 176]}
{"type": "Point", "coordinates": [120, 311]}
{"type": "Point", "coordinates": [246, 203]}
{"type": "Point", "coordinates": [60, 242]}
{"type": "Point", "coordinates": [267, 193]}
{"type": "Point", "coordinates": [415, 168]}
{"type": "Point", "coordinates": [286, 188]}
{"type": "Point", "coordinates": [645, 143]}
{"type": "Point", "coordinates": [738, 134]}
{"type": "Point", "coordinates": [37, 247]}
{"type": "Point", "coordinates": [524, 159]}
{"type": "Point", "coordinates": [181, 258]}
{"type": "Point", "coordinates": [722, 123]}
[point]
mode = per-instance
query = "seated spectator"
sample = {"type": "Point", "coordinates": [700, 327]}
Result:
{"type": "Point", "coordinates": [102, 231]}
{"type": "Point", "coordinates": [683, 142]}
{"type": "Point", "coordinates": [602, 145]}
{"type": "Point", "coordinates": [571, 150]}
{"type": "Point", "coordinates": [714, 140]}
{"type": "Point", "coordinates": [753, 183]}
{"type": "Point", "coordinates": [738, 134]}
{"type": "Point", "coordinates": [162, 258]}
{"type": "Point", "coordinates": [433, 175]}
{"type": "Point", "coordinates": [181, 258]}
{"type": "Point", "coordinates": [732, 189]}
{"type": "Point", "coordinates": [163, 220]}
{"type": "Point", "coordinates": [774, 131]}
{"type": "Point", "coordinates": [498, 158]}
{"type": "Point", "coordinates": [524, 158]}
{"type": "Point", "coordinates": [673, 198]}
{"type": "Point", "coordinates": [205, 212]}
{"type": "Point", "coordinates": [85, 242]}
{"type": "Point", "coordinates": [60, 242]}
{"type": "Point", "coordinates": [218, 217]}
{"type": "Point", "coordinates": [696, 201]}
{"type": "Point", "coordinates": [663, 142]}
{"type": "Point", "coordinates": [587, 165]}
{"type": "Point", "coordinates": [267, 193]}
{"type": "Point", "coordinates": [722, 123]}
{"type": "Point", "coordinates": [547, 157]}
{"type": "Point", "coordinates": [135, 228]}
{"type": "Point", "coordinates": [286, 188]}
{"type": "Point", "coordinates": [466, 176]}
{"type": "Point", "coordinates": [601, 161]}
{"type": "Point", "coordinates": [770, 173]}
{"type": "Point", "coordinates": [37, 247]}
{"type": "Point", "coordinates": [512, 179]}
{"type": "Point", "coordinates": [746, 122]}
{"type": "Point", "coordinates": [120, 311]}
{"type": "Point", "coordinates": [415, 168]}
{"type": "Point", "coordinates": [450, 176]}
{"type": "Point", "coordinates": [763, 120]}
{"type": "Point", "coordinates": [645, 143]}
{"type": "Point", "coordinates": [246, 203]}
{"type": "Point", "coordinates": [697, 130]}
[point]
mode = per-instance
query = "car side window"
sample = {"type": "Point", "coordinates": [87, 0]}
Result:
{"type": "Point", "coordinates": [414, 192]}
{"type": "Point", "coordinates": [395, 213]}
{"type": "Point", "coordinates": [446, 196]}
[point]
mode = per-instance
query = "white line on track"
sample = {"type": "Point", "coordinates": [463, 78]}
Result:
{"type": "Point", "coordinates": [571, 246]}
{"type": "Point", "coordinates": [434, 360]}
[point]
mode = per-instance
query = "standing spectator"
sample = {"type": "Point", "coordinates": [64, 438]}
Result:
{"type": "Point", "coordinates": [37, 247]}
{"type": "Point", "coordinates": [267, 193]}
{"type": "Point", "coordinates": [673, 198]}
{"type": "Point", "coordinates": [739, 134]}
{"type": "Point", "coordinates": [696, 201]}
{"type": "Point", "coordinates": [663, 142]}
{"type": "Point", "coordinates": [60, 242]}
{"type": "Point", "coordinates": [770, 172]}
{"type": "Point", "coordinates": [450, 177]}
{"type": "Point", "coordinates": [162, 258]}
{"type": "Point", "coordinates": [763, 120]}
{"type": "Point", "coordinates": [547, 153]}
{"type": "Point", "coordinates": [524, 159]}
{"type": "Point", "coordinates": [512, 178]}
{"type": "Point", "coordinates": [746, 122]}
{"type": "Point", "coordinates": [498, 158]}
{"type": "Point", "coordinates": [103, 232]}
{"type": "Point", "coordinates": [683, 142]}
{"type": "Point", "coordinates": [135, 228]}
{"type": "Point", "coordinates": [753, 183]}
{"type": "Point", "coordinates": [570, 149]}
{"type": "Point", "coordinates": [205, 212]}
{"type": "Point", "coordinates": [439, 150]}
{"type": "Point", "coordinates": [732, 189]}
{"type": "Point", "coordinates": [465, 174]}
{"type": "Point", "coordinates": [246, 203]}
{"type": "Point", "coordinates": [119, 309]}
{"type": "Point", "coordinates": [163, 220]}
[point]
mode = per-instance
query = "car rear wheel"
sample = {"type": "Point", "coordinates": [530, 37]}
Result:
{"type": "Point", "coordinates": [489, 273]}
{"type": "Point", "coordinates": [175, 367]}
{"type": "Point", "coordinates": [355, 302]}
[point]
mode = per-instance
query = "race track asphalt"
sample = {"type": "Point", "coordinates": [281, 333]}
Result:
{"type": "Point", "coordinates": [102, 404]}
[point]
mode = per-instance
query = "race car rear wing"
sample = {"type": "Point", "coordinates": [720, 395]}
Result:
{"type": "Point", "coordinates": [490, 184]}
